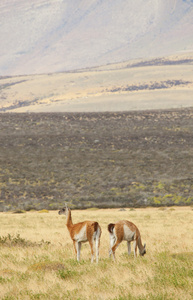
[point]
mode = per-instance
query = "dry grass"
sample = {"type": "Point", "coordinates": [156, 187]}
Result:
{"type": "Point", "coordinates": [42, 270]}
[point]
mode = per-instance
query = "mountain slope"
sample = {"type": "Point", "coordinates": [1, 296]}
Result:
{"type": "Point", "coordinates": [50, 36]}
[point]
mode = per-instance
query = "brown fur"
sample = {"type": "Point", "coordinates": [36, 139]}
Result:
{"type": "Point", "coordinates": [117, 230]}
{"type": "Point", "coordinates": [111, 227]}
{"type": "Point", "coordinates": [75, 230]}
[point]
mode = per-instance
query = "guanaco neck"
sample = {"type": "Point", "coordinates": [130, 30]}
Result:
{"type": "Point", "coordinates": [140, 245]}
{"type": "Point", "coordinates": [69, 223]}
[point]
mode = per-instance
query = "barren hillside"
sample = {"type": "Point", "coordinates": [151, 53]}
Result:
{"type": "Point", "coordinates": [53, 36]}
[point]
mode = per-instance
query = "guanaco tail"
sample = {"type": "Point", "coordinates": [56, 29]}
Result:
{"type": "Point", "coordinates": [125, 231]}
{"type": "Point", "coordinates": [87, 231]}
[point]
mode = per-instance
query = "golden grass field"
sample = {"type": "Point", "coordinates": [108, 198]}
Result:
{"type": "Point", "coordinates": [38, 259]}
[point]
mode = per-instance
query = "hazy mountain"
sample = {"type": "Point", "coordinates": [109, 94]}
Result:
{"type": "Point", "coordinates": [58, 35]}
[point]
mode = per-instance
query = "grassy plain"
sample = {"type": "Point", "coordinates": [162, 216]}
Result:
{"type": "Point", "coordinates": [38, 260]}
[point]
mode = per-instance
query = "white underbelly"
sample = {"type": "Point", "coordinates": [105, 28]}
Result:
{"type": "Point", "coordinates": [128, 234]}
{"type": "Point", "coordinates": [81, 235]}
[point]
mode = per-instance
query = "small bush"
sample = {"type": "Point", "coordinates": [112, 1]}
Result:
{"type": "Point", "coordinates": [65, 274]}
{"type": "Point", "coordinates": [92, 208]}
{"type": "Point", "coordinates": [19, 211]}
{"type": "Point", "coordinates": [43, 211]}
{"type": "Point", "coordinates": [12, 241]}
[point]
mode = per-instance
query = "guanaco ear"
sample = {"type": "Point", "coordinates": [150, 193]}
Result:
{"type": "Point", "coordinates": [144, 245]}
{"type": "Point", "coordinates": [62, 211]}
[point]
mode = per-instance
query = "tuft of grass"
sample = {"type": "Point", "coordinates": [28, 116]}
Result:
{"type": "Point", "coordinates": [13, 241]}
{"type": "Point", "coordinates": [172, 209]}
{"type": "Point", "coordinates": [162, 208]}
{"type": "Point", "coordinates": [19, 211]}
{"type": "Point", "coordinates": [43, 211]}
{"type": "Point", "coordinates": [66, 274]}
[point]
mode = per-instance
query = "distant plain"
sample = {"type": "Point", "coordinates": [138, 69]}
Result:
{"type": "Point", "coordinates": [158, 83]}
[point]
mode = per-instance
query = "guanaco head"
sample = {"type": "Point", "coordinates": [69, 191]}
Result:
{"type": "Point", "coordinates": [63, 211]}
{"type": "Point", "coordinates": [143, 251]}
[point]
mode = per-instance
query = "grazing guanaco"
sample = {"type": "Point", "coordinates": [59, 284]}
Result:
{"type": "Point", "coordinates": [82, 232]}
{"type": "Point", "coordinates": [125, 231]}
